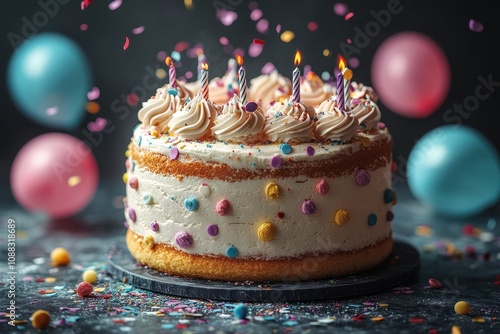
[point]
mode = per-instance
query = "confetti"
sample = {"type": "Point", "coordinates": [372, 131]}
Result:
{"type": "Point", "coordinates": [255, 50]}
{"type": "Point", "coordinates": [268, 68]}
{"type": "Point", "coordinates": [114, 5]}
{"type": "Point", "coordinates": [132, 99]}
{"type": "Point", "coordinates": [340, 9]}
{"type": "Point", "coordinates": [262, 26]}
{"type": "Point", "coordinates": [85, 3]}
{"type": "Point", "coordinates": [125, 46]}
{"type": "Point", "coordinates": [138, 30]}
{"type": "Point", "coordinates": [98, 125]}
{"type": "Point", "coordinates": [312, 26]}
{"type": "Point", "coordinates": [258, 41]}
{"type": "Point", "coordinates": [349, 16]}
{"type": "Point", "coordinates": [256, 14]}
{"type": "Point", "coordinates": [475, 26]}
{"type": "Point", "coordinates": [226, 17]}
{"type": "Point", "coordinates": [84, 26]}
{"type": "Point", "coordinates": [287, 36]}
{"type": "Point", "coordinates": [278, 28]}
{"type": "Point", "coordinates": [223, 40]}
{"type": "Point", "coordinates": [93, 107]}
{"type": "Point", "coordinates": [93, 94]}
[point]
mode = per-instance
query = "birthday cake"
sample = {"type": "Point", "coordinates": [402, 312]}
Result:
{"type": "Point", "coordinates": [260, 189]}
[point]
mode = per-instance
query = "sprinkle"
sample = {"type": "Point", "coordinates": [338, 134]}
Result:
{"type": "Point", "coordinates": [478, 319]}
{"type": "Point", "coordinates": [183, 239]}
{"type": "Point", "coordinates": [174, 153]}
{"type": "Point", "coordinates": [251, 106]}
{"type": "Point", "coordinates": [213, 230]}
{"type": "Point", "coordinates": [276, 161]}
{"type": "Point", "coordinates": [280, 214]}
{"type": "Point", "coordinates": [462, 307]}
{"type": "Point", "coordinates": [365, 141]}
{"type": "Point", "coordinates": [147, 199]}
{"type": "Point", "coordinates": [362, 177]}
{"type": "Point", "coordinates": [226, 17]}
{"type": "Point", "coordinates": [232, 252]}
{"type": "Point", "coordinates": [372, 219]}
{"type": "Point", "coordinates": [475, 26]}
{"type": "Point", "coordinates": [377, 319]}
{"type": "Point", "coordinates": [149, 241]}
{"type": "Point", "coordinates": [240, 311]}
{"type": "Point", "coordinates": [60, 256]}
{"type": "Point", "coordinates": [286, 148]}
{"type": "Point", "coordinates": [173, 92]}
{"type": "Point", "coordinates": [455, 329]}
{"type": "Point", "coordinates": [93, 108]}
{"type": "Point", "coordinates": [341, 217]}
{"type": "Point", "coordinates": [322, 187]}
{"type": "Point", "coordinates": [204, 190]}
{"type": "Point", "coordinates": [267, 231]}
{"type": "Point", "coordinates": [133, 182]}
{"type": "Point", "coordinates": [89, 276]}
{"type": "Point", "coordinates": [222, 207]}
{"type": "Point", "coordinates": [434, 283]}
{"type": "Point", "coordinates": [126, 44]}
{"type": "Point", "coordinates": [84, 26]}
{"type": "Point", "coordinates": [388, 195]}
{"type": "Point", "coordinates": [155, 227]}
{"type": "Point", "coordinates": [40, 319]}
{"type": "Point", "coordinates": [308, 207]}
{"type": "Point", "coordinates": [310, 151]}
{"type": "Point", "coordinates": [390, 216]}
{"type": "Point", "coordinates": [191, 204]}
{"type": "Point", "coordinates": [272, 191]}
{"type": "Point", "coordinates": [262, 26]}
{"type": "Point", "coordinates": [84, 289]}
{"type": "Point", "coordinates": [132, 215]}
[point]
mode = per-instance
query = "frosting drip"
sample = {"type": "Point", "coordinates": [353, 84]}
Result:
{"type": "Point", "coordinates": [237, 125]}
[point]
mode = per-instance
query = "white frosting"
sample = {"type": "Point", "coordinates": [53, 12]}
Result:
{"type": "Point", "coordinates": [267, 88]}
{"type": "Point", "coordinates": [334, 124]}
{"type": "Point", "coordinates": [367, 113]}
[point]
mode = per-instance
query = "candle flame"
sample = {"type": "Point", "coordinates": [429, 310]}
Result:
{"type": "Point", "coordinates": [169, 62]}
{"type": "Point", "coordinates": [204, 66]}
{"type": "Point", "coordinates": [341, 63]}
{"type": "Point", "coordinates": [239, 60]}
{"type": "Point", "coordinates": [297, 59]}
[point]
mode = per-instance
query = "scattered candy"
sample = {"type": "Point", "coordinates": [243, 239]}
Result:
{"type": "Point", "coordinates": [462, 307]}
{"type": "Point", "coordinates": [60, 256]}
{"type": "Point", "coordinates": [475, 26]}
{"type": "Point", "coordinates": [434, 283]}
{"type": "Point", "coordinates": [40, 319]}
{"type": "Point", "coordinates": [89, 276]}
{"type": "Point", "coordinates": [240, 311]}
{"type": "Point", "coordinates": [84, 289]}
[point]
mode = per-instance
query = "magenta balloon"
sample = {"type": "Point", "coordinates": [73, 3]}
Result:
{"type": "Point", "coordinates": [411, 74]}
{"type": "Point", "coordinates": [54, 173]}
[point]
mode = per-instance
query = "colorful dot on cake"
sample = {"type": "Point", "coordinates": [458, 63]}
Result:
{"type": "Point", "coordinates": [204, 190]}
{"type": "Point", "coordinates": [132, 215]}
{"type": "Point", "coordinates": [341, 217]}
{"type": "Point", "coordinates": [155, 227]}
{"type": "Point", "coordinates": [276, 161]}
{"type": "Point", "coordinates": [174, 153]}
{"type": "Point", "coordinates": [266, 231]}
{"type": "Point", "coordinates": [372, 219]}
{"type": "Point", "coordinates": [125, 177]}
{"type": "Point", "coordinates": [322, 187]}
{"type": "Point", "coordinates": [390, 216]}
{"type": "Point", "coordinates": [280, 214]}
{"type": "Point", "coordinates": [191, 204]}
{"type": "Point", "coordinates": [308, 207]}
{"type": "Point", "coordinates": [172, 91]}
{"type": "Point", "coordinates": [310, 151]}
{"type": "Point", "coordinates": [251, 106]}
{"type": "Point", "coordinates": [213, 230]}
{"type": "Point", "coordinates": [272, 191]}
{"type": "Point", "coordinates": [133, 182]}
{"type": "Point", "coordinates": [232, 252]}
{"type": "Point", "coordinates": [183, 239]}
{"type": "Point", "coordinates": [286, 148]}
{"type": "Point", "coordinates": [388, 195]}
{"type": "Point", "coordinates": [222, 207]}
{"type": "Point", "coordinates": [149, 241]}
{"type": "Point", "coordinates": [362, 177]}
{"type": "Point", "coordinates": [147, 199]}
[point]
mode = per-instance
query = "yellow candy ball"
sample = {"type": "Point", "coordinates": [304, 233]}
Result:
{"type": "Point", "coordinates": [40, 319]}
{"type": "Point", "coordinates": [267, 231]}
{"type": "Point", "coordinates": [272, 191]}
{"type": "Point", "coordinates": [341, 216]}
{"type": "Point", "coordinates": [89, 276]}
{"type": "Point", "coordinates": [60, 256]}
{"type": "Point", "coordinates": [125, 177]}
{"type": "Point", "coordinates": [462, 307]}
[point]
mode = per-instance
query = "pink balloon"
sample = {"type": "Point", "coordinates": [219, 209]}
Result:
{"type": "Point", "coordinates": [55, 173]}
{"type": "Point", "coordinates": [411, 74]}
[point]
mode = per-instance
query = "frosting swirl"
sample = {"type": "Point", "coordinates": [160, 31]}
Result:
{"type": "Point", "coordinates": [334, 124]}
{"type": "Point", "coordinates": [313, 91]}
{"type": "Point", "coordinates": [267, 88]}
{"type": "Point", "coordinates": [367, 113]}
{"type": "Point", "coordinates": [158, 110]}
{"type": "Point", "coordinates": [194, 120]}
{"type": "Point", "coordinates": [289, 121]}
{"type": "Point", "coordinates": [360, 91]}
{"type": "Point", "coordinates": [237, 125]}
{"type": "Point", "coordinates": [221, 90]}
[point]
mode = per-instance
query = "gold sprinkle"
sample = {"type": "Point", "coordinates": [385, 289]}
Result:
{"type": "Point", "coordinates": [99, 289]}
{"type": "Point", "coordinates": [478, 319]}
{"type": "Point", "coordinates": [423, 231]}
{"type": "Point", "coordinates": [50, 279]}
{"type": "Point", "coordinates": [125, 177]}
{"type": "Point", "coordinates": [455, 330]}
{"type": "Point", "coordinates": [287, 36]}
{"type": "Point", "coordinates": [127, 153]}
{"type": "Point", "coordinates": [383, 305]}
{"type": "Point", "coordinates": [73, 181]}
{"type": "Point", "coordinates": [189, 4]}
{"type": "Point", "coordinates": [326, 52]}
{"type": "Point", "coordinates": [379, 318]}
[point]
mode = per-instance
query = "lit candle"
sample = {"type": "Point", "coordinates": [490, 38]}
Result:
{"type": "Point", "coordinates": [340, 84]}
{"type": "Point", "coordinates": [171, 72]}
{"type": "Point", "coordinates": [296, 77]}
{"type": "Point", "coordinates": [201, 59]}
{"type": "Point", "coordinates": [204, 80]}
{"type": "Point", "coordinates": [347, 73]}
{"type": "Point", "coordinates": [242, 80]}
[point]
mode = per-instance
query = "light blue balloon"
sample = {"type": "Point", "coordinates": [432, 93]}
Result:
{"type": "Point", "coordinates": [455, 170]}
{"type": "Point", "coordinates": [48, 78]}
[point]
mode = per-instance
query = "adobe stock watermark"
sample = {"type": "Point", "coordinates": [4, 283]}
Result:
{"type": "Point", "coordinates": [484, 90]}
{"type": "Point", "coordinates": [31, 25]}
{"type": "Point", "coordinates": [11, 271]}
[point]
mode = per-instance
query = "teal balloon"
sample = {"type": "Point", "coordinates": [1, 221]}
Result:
{"type": "Point", "coordinates": [455, 170]}
{"type": "Point", "coordinates": [48, 77]}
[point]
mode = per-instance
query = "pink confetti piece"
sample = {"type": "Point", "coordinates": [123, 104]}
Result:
{"type": "Point", "coordinates": [93, 94]}
{"type": "Point", "coordinates": [132, 99]}
{"type": "Point", "coordinates": [340, 9]}
{"type": "Point", "coordinates": [312, 26]}
{"type": "Point", "coordinates": [256, 14]}
{"type": "Point", "coordinates": [181, 46]}
{"type": "Point", "coordinates": [161, 55]}
{"type": "Point", "coordinates": [278, 28]}
{"type": "Point", "coordinates": [255, 50]}
{"type": "Point", "coordinates": [114, 5]}
{"type": "Point", "coordinates": [262, 26]}
{"type": "Point", "coordinates": [226, 17]}
{"type": "Point", "coordinates": [138, 30]}
{"type": "Point", "coordinates": [348, 16]}
{"type": "Point", "coordinates": [85, 3]}
{"type": "Point", "coordinates": [84, 26]}
{"type": "Point", "coordinates": [98, 125]}
{"type": "Point", "coordinates": [475, 26]}
{"type": "Point", "coordinates": [127, 42]}
{"type": "Point", "coordinates": [354, 62]}
{"type": "Point", "coordinates": [267, 68]}
{"type": "Point", "coordinates": [224, 40]}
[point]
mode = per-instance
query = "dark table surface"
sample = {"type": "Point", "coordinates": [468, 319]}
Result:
{"type": "Point", "coordinates": [464, 255]}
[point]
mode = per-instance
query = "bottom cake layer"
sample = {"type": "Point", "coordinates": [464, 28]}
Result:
{"type": "Point", "coordinates": [174, 262]}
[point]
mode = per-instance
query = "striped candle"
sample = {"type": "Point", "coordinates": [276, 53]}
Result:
{"type": "Point", "coordinates": [340, 91]}
{"type": "Point", "coordinates": [204, 81]}
{"type": "Point", "coordinates": [201, 59]}
{"type": "Point", "coordinates": [347, 73]}
{"type": "Point", "coordinates": [242, 80]}
{"type": "Point", "coordinates": [296, 77]}
{"type": "Point", "coordinates": [172, 77]}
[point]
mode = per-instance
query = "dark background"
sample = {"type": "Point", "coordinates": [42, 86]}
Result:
{"type": "Point", "coordinates": [116, 72]}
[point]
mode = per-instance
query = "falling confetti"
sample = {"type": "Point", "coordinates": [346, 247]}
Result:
{"type": "Point", "coordinates": [98, 125]}
{"type": "Point", "coordinates": [127, 42]}
{"type": "Point", "coordinates": [340, 9]}
{"type": "Point", "coordinates": [278, 28]}
{"type": "Point", "coordinates": [84, 26]}
{"type": "Point", "coordinates": [475, 26]}
{"type": "Point", "coordinates": [262, 26]}
{"type": "Point", "coordinates": [255, 50]}
{"type": "Point", "coordinates": [312, 26]}
{"type": "Point", "coordinates": [161, 73]}
{"type": "Point", "coordinates": [161, 55]}
{"type": "Point", "coordinates": [223, 40]}
{"type": "Point", "coordinates": [268, 68]}
{"type": "Point", "coordinates": [93, 107]}
{"type": "Point", "coordinates": [181, 46]}
{"type": "Point", "coordinates": [256, 14]}
{"type": "Point", "coordinates": [226, 17]}
{"type": "Point", "coordinates": [132, 99]}
{"type": "Point", "coordinates": [138, 30]}
{"type": "Point", "coordinates": [258, 41]}
{"type": "Point", "coordinates": [114, 5]}
{"type": "Point", "coordinates": [349, 16]}
{"type": "Point", "coordinates": [93, 94]}
{"type": "Point", "coordinates": [189, 4]}
{"type": "Point", "coordinates": [287, 36]}
{"type": "Point", "coordinates": [175, 55]}
{"type": "Point", "coordinates": [86, 3]}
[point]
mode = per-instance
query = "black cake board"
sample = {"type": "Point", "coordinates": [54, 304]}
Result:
{"type": "Point", "coordinates": [402, 265]}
